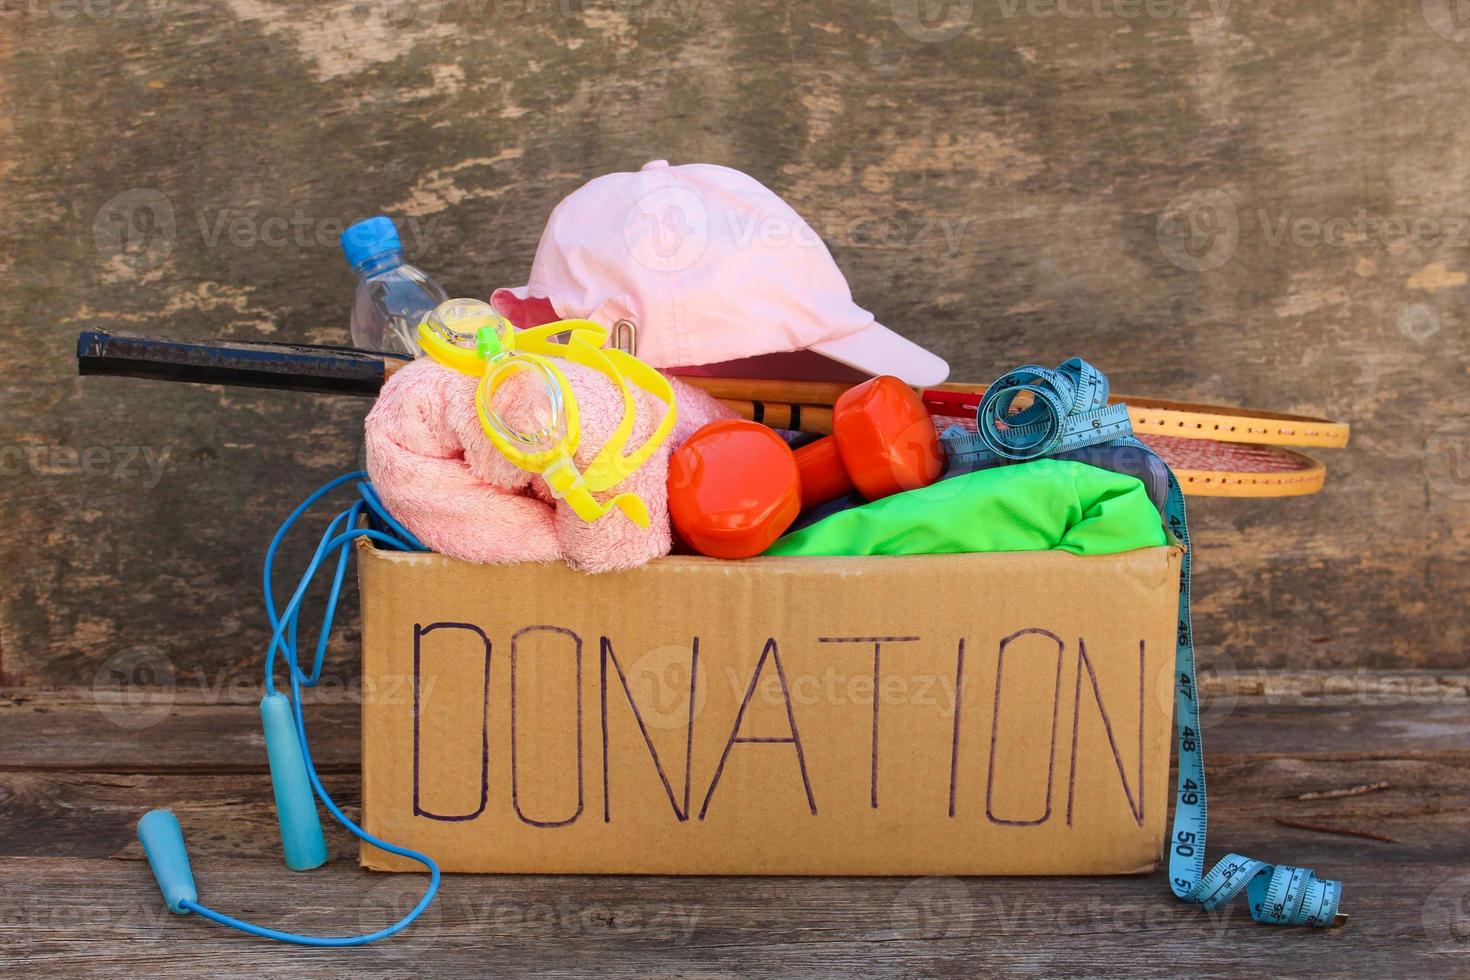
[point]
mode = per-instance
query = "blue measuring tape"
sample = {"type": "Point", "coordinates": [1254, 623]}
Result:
{"type": "Point", "coordinates": [1069, 411]}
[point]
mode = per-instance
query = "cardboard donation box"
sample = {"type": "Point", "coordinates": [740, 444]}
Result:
{"type": "Point", "coordinates": [943, 714]}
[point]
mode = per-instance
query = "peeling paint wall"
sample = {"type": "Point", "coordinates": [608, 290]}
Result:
{"type": "Point", "coordinates": [1256, 204]}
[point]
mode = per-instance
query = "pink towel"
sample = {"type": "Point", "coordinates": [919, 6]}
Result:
{"type": "Point", "coordinates": [435, 470]}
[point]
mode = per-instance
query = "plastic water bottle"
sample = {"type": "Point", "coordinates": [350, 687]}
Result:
{"type": "Point", "coordinates": [392, 296]}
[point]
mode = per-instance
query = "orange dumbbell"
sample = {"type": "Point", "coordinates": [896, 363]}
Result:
{"type": "Point", "coordinates": [735, 486]}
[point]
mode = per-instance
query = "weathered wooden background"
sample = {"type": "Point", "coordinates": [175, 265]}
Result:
{"type": "Point", "coordinates": [1253, 203]}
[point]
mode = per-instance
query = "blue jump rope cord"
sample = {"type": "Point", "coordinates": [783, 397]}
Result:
{"type": "Point", "coordinates": [1070, 410]}
{"type": "Point", "coordinates": [341, 531]}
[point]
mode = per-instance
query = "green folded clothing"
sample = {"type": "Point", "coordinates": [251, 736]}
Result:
{"type": "Point", "coordinates": [1037, 506]}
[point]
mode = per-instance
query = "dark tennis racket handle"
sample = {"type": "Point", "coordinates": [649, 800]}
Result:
{"type": "Point", "coordinates": [317, 368]}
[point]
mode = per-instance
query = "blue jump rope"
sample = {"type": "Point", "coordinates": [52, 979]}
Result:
{"type": "Point", "coordinates": [1069, 410]}
{"type": "Point", "coordinates": [293, 774]}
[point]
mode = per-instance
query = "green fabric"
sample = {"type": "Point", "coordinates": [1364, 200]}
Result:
{"type": "Point", "coordinates": [1035, 506]}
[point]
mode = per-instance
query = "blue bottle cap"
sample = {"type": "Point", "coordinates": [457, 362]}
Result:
{"type": "Point", "coordinates": [369, 238]}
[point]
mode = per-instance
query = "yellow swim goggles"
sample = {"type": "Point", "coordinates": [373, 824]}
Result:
{"type": "Point", "coordinates": [469, 336]}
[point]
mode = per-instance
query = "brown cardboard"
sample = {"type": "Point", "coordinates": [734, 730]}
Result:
{"type": "Point", "coordinates": [1062, 768]}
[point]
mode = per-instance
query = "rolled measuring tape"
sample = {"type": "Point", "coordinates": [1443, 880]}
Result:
{"type": "Point", "coordinates": [1183, 420]}
{"type": "Point", "coordinates": [1069, 410]}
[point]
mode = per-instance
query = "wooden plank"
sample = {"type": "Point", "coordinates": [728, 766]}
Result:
{"type": "Point", "coordinates": [56, 814]}
{"type": "Point", "coordinates": [71, 915]}
{"type": "Point", "coordinates": [1033, 186]}
{"type": "Point", "coordinates": [79, 898]}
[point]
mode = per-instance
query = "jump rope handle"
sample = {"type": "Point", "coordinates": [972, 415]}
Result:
{"type": "Point", "coordinates": [301, 826]}
{"type": "Point", "coordinates": [163, 842]}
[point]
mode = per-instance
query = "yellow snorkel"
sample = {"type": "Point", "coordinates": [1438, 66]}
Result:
{"type": "Point", "coordinates": [469, 336]}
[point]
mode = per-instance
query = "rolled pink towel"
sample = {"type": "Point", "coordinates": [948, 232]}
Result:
{"type": "Point", "coordinates": [438, 474]}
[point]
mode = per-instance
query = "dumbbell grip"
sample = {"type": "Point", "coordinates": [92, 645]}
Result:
{"type": "Point", "coordinates": [823, 474]}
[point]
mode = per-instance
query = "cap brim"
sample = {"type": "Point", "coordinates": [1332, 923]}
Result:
{"type": "Point", "coordinates": [877, 350]}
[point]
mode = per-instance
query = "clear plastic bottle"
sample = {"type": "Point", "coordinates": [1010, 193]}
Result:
{"type": "Point", "coordinates": [392, 296]}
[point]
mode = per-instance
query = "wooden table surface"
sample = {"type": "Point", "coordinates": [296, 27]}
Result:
{"type": "Point", "coordinates": [77, 770]}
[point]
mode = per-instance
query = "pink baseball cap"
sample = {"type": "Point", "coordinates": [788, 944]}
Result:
{"type": "Point", "coordinates": [709, 266]}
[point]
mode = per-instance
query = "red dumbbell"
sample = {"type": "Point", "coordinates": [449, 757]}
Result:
{"type": "Point", "coordinates": [735, 486]}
